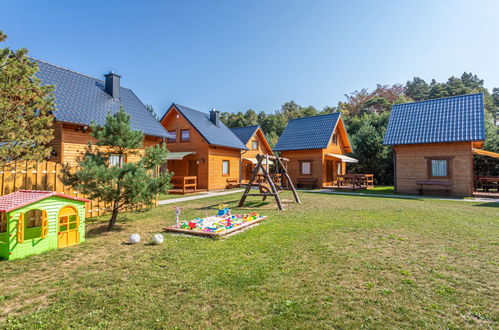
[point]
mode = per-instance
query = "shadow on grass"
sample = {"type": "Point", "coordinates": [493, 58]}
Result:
{"type": "Point", "coordinates": [101, 230]}
{"type": "Point", "coordinates": [215, 206]}
{"type": "Point", "coordinates": [488, 204]}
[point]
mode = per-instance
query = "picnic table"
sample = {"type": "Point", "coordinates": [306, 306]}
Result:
{"type": "Point", "coordinates": [357, 181]}
{"type": "Point", "coordinates": [489, 182]}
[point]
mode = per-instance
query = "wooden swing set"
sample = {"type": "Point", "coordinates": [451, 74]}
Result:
{"type": "Point", "coordinates": [269, 183]}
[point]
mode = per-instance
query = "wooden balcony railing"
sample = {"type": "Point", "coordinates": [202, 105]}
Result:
{"type": "Point", "coordinates": [184, 183]}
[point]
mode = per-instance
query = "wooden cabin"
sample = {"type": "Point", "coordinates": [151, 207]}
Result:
{"type": "Point", "coordinates": [254, 139]}
{"type": "Point", "coordinates": [81, 100]}
{"type": "Point", "coordinates": [316, 148]}
{"type": "Point", "coordinates": [203, 151]}
{"type": "Point", "coordinates": [434, 142]}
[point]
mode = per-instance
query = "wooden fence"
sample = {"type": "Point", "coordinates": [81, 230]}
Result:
{"type": "Point", "coordinates": [44, 176]}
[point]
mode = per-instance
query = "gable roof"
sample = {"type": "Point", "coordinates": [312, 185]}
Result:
{"type": "Point", "coordinates": [449, 119]}
{"type": "Point", "coordinates": [81, 99]}
{"type": "Point", "coordinates": [22, 198]}
{"type": "Point", "coordinates": [216, 135]}
{"type": "Point", "coordinates": [308, 132]}
{"type": "Point", "coordinates": [245, 133]}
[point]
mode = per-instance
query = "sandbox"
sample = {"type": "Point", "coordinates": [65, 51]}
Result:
{"type": "Point", "coordinates": [215, 226]}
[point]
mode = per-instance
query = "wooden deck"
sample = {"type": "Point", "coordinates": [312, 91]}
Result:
{"type": "Point", "coordinates": [184, 185]}
{"type": "Point", "coordinates": [186, 192]}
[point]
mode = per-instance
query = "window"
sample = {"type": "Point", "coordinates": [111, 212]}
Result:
{"type": "Point", "coordinates": [339, 168]}
{"type": "Point", "coordinates": [3, 222]}
{"type": "Point", "coordinates": [335, 138]}
{"type": "Point", "coordinates": [254, 145]}
{"type": "Point", "coordinates": [439, 167]}
{"type": "Point", "coordinates": [225, 168]}
{"type": "Point", "coordinates": [306, 167]}
{"type": "Point", "coordinates": [115, 160]}
{"type": "Point", "coordinates": [33, 218]}
{"type": "Point", "coordinates": [173, 136]}
{"type": "Point", "coordinates": [185, 135]}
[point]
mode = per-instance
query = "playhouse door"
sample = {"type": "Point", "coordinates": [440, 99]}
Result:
{"type": "Point", "coordinates": [68, 227]}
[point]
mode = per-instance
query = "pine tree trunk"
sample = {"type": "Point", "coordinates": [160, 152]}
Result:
{"type": "Point", "coordinates": [112, 221]}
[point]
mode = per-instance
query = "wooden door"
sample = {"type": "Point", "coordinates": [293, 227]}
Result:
{"type": "Point", "coordinates": [330, 171]}
{"type": "Point", "coordinates": [68, 227]}
{"type": "Point", "coordinates": [192, 169]}
{"type": "Point", "coordinates": [248, 171]}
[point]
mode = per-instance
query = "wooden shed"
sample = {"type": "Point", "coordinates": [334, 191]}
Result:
{"type": "Point", "coordinates": [433, 143]}
{"type": "Point", "coordinates": [254, 139]}
{"type": "Point", "coordinates": [33, 221]}
{"type": "Point", "coordinates": [316, 148]}
{"type": "Point", "coordinates": [204, 153]}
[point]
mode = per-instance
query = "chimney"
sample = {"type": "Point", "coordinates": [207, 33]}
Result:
{"type": "Point", "coordinates": [112, 86]}
{"type": "Point", "coordinates": [215, 117]}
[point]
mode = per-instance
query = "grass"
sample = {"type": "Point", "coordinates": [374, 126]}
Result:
{"type": "Point", "coordinates": [332, 262]}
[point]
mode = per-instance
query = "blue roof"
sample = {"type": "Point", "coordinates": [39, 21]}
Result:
{"type": "Point", "coordinates": [308, 133]}
{"type": "Point", "coordinates": [449, 119]}
{"type": "Point", "coordinates": [216, 135]}
{"type": "Point", "coordinates": [245, 133]}
{"type": "Point", "coordinates": [81, 99]}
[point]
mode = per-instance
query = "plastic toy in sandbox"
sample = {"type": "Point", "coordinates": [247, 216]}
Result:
{"type": "Point", "coordinates": [223, 223]}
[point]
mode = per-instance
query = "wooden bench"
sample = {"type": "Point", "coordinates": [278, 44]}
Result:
{"type": "Point", "coordinates": [306, 182]}
{"type": "Point", "coordinates": [446, 184]}
{"type": "Point", "coordinates": [233, 183]}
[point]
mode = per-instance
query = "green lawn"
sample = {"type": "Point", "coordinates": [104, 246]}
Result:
{"type": "Point", "coordinates": [334, 261]}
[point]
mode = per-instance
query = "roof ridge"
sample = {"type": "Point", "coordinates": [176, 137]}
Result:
{"type": "Point", "coordinates": [183, 106]}
{"type": "Point", "coordinates": [245, 126]}
{"type": "Point", "coordinates": [439, 98]}
{"type": "Point", "coordinates": [70, 70]}
{"type": "Point", "coordinates": [320, 115]}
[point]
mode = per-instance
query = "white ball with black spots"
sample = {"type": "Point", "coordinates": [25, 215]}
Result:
{"type": "Point", "coordinates": [158, 239]}
{"type": "Point", "coordinates": [134, 238]}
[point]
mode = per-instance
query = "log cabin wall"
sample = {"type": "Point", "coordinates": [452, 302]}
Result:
{"type": "Point", "coordinates": [412, 165]}
{"type": "Point", "coordinates": [56, 142]}
{"type": "Point", "coordinates": [297, 156]}
{"type": "Point", "coordinates": [70, 142]}
{"type": "Point", "coordinates": [263, 148]}
{"type": "Point", "coordinates": [216, 179]}
{"type": "Point", "coordinates": [336, 145]}
{"type": "Point", "coordinates": [176, 122]}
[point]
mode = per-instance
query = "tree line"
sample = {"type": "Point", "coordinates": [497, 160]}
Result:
{"type": "Point", "coordinates": [366, 115]}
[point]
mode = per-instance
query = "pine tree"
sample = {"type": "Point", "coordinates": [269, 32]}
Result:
{"type": "Point", "coordinates": [104, 173]}
{"type": "Point", "coordinates": [25, 109]}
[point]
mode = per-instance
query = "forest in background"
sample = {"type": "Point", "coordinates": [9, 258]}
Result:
{"type": "Point", "coordinates": [366, 115]}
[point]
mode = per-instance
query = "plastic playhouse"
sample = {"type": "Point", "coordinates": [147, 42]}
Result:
{"type": "Point", "coordinates": [221, 224]}
{"type": "Point", "coordinates": [33, 221]}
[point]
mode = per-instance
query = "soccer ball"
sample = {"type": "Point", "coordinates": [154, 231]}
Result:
{"type": "Point", "coordinates": [158, 239]}
{"type": "Point", "coordinates": [134, 238]}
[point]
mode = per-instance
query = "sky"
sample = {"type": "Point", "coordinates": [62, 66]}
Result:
{"type": "Point", "coordinates": [234, 55]}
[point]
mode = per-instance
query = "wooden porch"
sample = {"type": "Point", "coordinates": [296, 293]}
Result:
{"type": "Point", "coordinates": [183, 185]}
